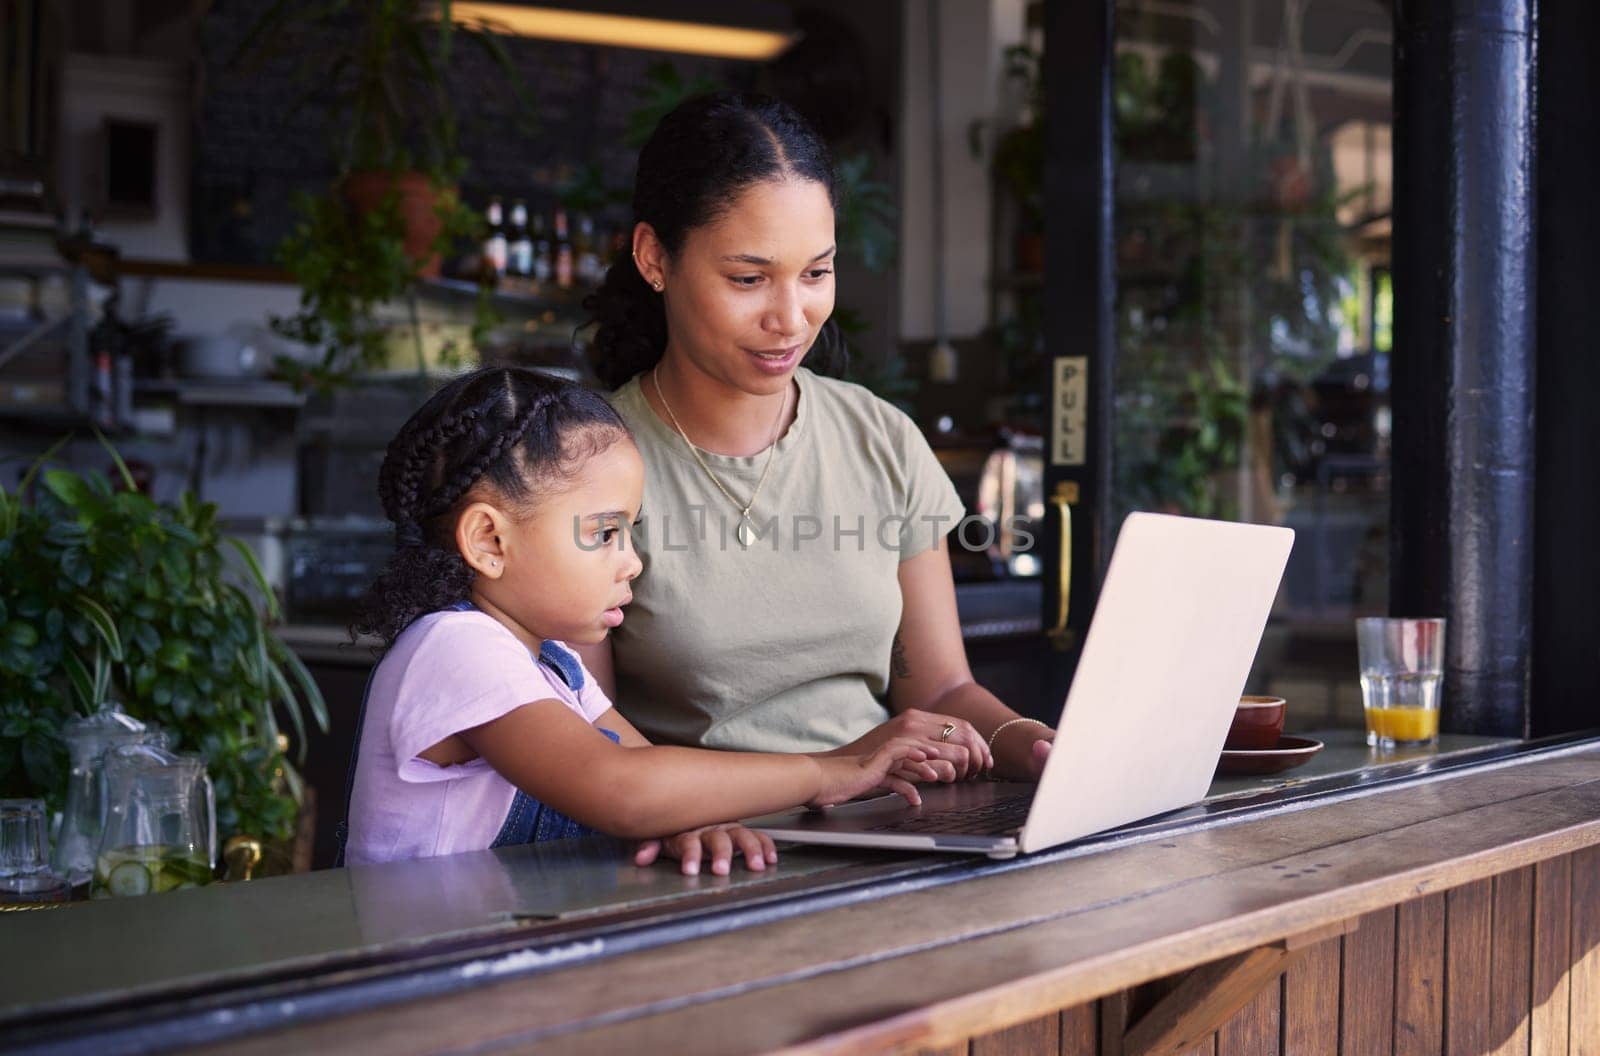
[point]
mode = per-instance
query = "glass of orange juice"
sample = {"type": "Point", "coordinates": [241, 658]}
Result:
{"type": "Point", "coordinates": [1402, 667]}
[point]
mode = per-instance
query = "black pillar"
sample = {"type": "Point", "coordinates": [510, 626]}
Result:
{"type": "Point", "coordinates": [1461, 536]}
{"type": "Point", "coordinates": [1078, 300]}
{"type": "Point", "coordinates": [1566, 578]}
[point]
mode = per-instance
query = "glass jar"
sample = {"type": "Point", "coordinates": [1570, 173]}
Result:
{"type": "Point", "coordinates": [160, 831]}
{"type": "Point", "coordinates": [87, 741]}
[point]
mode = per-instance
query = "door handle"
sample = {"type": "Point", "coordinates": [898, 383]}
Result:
{"type": "Point", "coordinates": [1065, 497]}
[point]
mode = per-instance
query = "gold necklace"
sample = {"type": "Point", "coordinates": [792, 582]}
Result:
{"type": "Point", "coordinates": [746, 532]}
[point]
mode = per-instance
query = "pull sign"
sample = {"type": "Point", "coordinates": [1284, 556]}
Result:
{"type": "Point", "coordinates": [1070, 399]}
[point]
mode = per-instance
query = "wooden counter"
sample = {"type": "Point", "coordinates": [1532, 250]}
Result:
{"type": "Point", "coordinates": [1454, 911]}
{"type": "Point", "coordinates": [1460, 913]}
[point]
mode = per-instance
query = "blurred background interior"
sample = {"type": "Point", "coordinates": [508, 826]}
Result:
{"type": "Point", "coordinates": [205, 207]}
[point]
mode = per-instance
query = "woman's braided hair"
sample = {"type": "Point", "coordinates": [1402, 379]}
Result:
{"type": "Point", "coordinates": [514, 431]}
{"type": "Point", "coordinates": [700, 158]}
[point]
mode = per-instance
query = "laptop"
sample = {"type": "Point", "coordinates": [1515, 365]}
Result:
{"type": "Point", "coordinates": [1169, 647]}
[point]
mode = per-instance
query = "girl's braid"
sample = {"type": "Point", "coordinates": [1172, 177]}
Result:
{"type": "Point", "coordinates": [422, 450]}
{"type": "Point", "coordinates": [449, 494]}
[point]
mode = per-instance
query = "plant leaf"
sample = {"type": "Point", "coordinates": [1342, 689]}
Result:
{"type": "Point", "coordinates": [82, 683]}
{"type": "Point", "coordinates": [296, 783]}
{"type": "Point", "coordinates": [285, 692]}
{"type": "Point", "coordinates": [122, 467]}
{"type": "Point", "coordinates": [102, 622]}
{"type": "Point", "coordinates": [69, 488]}
{"type": "Point", "coordinates": [269, 597]}
{"type": "Point", "coordinates": [308, 685]}
{"type": "Point", "coordinates": [39, 463]}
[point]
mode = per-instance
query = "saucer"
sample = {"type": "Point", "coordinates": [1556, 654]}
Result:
{"type": "Point", "coordinates": [1290, 753]}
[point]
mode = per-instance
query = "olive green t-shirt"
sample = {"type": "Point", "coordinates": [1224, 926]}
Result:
{"type": "Point", "coordinates": [782, 646]}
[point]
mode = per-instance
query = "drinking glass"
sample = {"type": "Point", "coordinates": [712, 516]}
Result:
{"type": "Point", "coordinates": [1402, 667]}
{"type": "Point", "coordinates": [25, 874]}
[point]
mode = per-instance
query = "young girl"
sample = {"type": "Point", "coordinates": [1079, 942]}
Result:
{"type": "Point", "coordinates": [511, 495]}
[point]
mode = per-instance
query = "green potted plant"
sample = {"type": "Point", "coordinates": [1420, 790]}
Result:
{"type": "Point", "coordinates": [108, 598]}
{"type": "Point", "coordinates": [381, 67]}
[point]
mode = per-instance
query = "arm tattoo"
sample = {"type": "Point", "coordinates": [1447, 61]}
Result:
{"type": "Point", "coordinates": [899, 667]}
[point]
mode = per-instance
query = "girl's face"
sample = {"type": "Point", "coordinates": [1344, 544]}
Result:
{"type": "Point", "coordinates": [567, 566]}
{"type": "Point", "coordinates": [747, 294]}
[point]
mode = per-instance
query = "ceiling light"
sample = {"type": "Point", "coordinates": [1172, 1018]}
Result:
{"type": "Point", "coordinates": [609, 25]}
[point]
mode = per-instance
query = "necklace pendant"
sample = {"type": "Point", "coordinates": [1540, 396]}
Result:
{"type": "Point", "coordinates": [746, 532]}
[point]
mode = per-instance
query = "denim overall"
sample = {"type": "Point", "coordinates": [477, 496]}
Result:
{"type": "Point", "coordinates": [528, 820]}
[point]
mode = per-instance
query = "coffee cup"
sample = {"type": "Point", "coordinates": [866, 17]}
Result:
{"type": "Point", "coordinates": [1257, 724]}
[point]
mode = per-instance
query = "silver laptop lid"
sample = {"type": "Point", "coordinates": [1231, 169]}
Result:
{"type": "Point", "coordinates": [1167, 653]}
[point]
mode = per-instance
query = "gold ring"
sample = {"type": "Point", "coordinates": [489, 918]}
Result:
{"type": "Point", "coordinates": [949, 728]}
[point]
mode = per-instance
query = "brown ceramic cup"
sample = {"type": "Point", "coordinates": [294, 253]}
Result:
{"type": "Point", "coordinates": [1257, 724]}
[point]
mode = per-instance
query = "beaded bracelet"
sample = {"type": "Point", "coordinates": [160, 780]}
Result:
{"type": "Point", "coordinates": [1011, 722]}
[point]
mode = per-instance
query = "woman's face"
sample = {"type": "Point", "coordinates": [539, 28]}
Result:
{"type": "Point", "coordinates": [748, 293]}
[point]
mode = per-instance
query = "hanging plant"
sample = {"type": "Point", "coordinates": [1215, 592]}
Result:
{"type": "Point", "coordinates": [381, 69]}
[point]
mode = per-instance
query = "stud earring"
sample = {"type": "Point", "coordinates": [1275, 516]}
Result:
{"type": "Point", "coordinates": [657, 285]}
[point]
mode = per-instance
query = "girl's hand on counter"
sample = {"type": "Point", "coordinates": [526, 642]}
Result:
{"type": "Point", "coordinates": [717, 842]}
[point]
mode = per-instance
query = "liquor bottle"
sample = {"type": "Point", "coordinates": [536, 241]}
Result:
{"type": "Point", "coordinates": [590, 270]}
{"type": "Point", "coordinates": [544, 261]}
{"type": "Point", "coordinates": [105, 343]}
{"type": "Point", "coordinates": [563, 252]}
{"type": "Point", "coordinates": [495, 246]}
{"type": "Point", "coordinates": [618, 248]}
{"type": "Point", "coordinates": [520, 249]}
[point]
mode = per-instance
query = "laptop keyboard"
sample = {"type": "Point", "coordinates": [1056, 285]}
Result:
{"type": "Point", "coordinates": [986, 819]}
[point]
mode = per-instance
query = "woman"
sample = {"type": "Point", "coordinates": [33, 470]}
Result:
{"type": "Point", "coordinates": [795, 577]}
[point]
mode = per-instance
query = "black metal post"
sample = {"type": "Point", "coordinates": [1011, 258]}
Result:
{"type": "Point", "coordinates": [1079, 298]}
{"type": "Point", "coordinates": [1566, 574]}
{"type": "Point", "coordinates": [1465, 320]}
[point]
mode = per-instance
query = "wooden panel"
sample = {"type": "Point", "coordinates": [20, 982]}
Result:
{"type": "Point", "coordinates": [1080, 1034]}
{"type": "Point", "coordinates": [1419, 977]}
{"type": "Point", "coordinates": [1114, 1012]}
{"type": "Point", "coordinates": [1552, 942]}
{"type": "Point", "coordinates": [1253, 1030]}
{"type": "Point", "coordinates": [1367, 986]}
{"type": "Point", "coordinates": [1042, 1035]}
{"type": "Point", "coordinates": [1206, 999]}
{"type": "Point", "coordinates": [1468, 948]}
{"type": "Point", "coordinates": [1311, 1002]}
{"type": "Point", "coordinates": [1511, 966]}
{"type": "Point", "coordinates": [1585, 954]}
{"type": "Point", "coordinates": [961, 1049]}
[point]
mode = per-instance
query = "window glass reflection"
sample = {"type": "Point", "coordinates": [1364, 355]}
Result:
{"type": "Point", "coordinates": [1254, 304]}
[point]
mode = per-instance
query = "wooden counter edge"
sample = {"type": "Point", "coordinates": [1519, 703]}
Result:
{"type": "Point", "coordinates": [952, 1020]}
{"type": "Point", "coordinates": [983, 982]}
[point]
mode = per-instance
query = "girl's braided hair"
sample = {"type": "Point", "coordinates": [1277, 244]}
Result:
{"type": "Point", "coordinates": [697, 162]}
{"type": "Point", "coordinates": [517, 431]}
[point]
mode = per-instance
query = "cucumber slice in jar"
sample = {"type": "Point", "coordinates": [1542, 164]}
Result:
{"type": "Point", "coordinates": [179, 870]}
{"type": "Point", "coordinates": [128, 878]}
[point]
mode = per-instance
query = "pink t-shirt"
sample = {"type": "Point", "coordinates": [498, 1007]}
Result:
{"type": "Point", "coordinates": [447, 672]}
